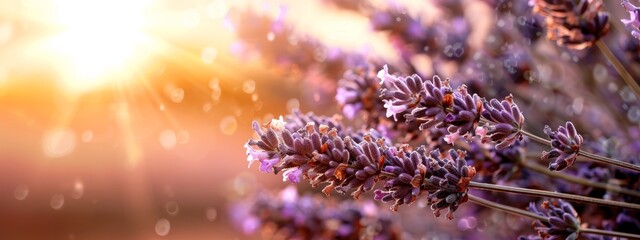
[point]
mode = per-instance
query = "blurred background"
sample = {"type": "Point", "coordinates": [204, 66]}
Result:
{"type": "Point", "coordinates": [127, 119]}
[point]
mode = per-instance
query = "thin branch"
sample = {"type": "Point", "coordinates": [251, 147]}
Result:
{"type": "Point", "coordinates": [626, 76]}
{"type": "Point", "coordinates": [611, 161]}
{"type": "Point", "coordinates": [588, 155]}
{"type": "Point", "coordinates": [523, 213]}
{"type": "Point", "coordinates": [609, 233]}
{"type": "Point", "coordinates": [505, 208]}
{"type": "Point", "coordinates": [548, 194]}
{"type": "Point", "coordinates": [585, 182]}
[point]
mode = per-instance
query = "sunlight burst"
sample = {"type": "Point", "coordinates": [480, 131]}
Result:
{"type": "Point", "coordinates": [100, 41]}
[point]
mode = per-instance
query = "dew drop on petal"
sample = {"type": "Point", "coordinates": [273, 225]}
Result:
{"type": "Point", "coordinates": [162, 107]}
{"type": "Point", "coordinates": [163, 226]}
{"type": "Point", "coordinates": [21, 192]}
{"type": "Point", "coordinates": [172, 208]}
{"type": "Point", "coordinates": [254, 97]}
{"type": "Point", "coordinates": [57, 201]}
{"type": "Point", "coordinates": [168, 139]}
{"type": "Point", "coordinates": [211, 214]}
{"type": "Point", "coordinates": [249, 86]}
{"type": "Point", "coordinates": [87, 136]}
{"type": "Point", "coordinates": [208, 55]}
{"type": "Point", "coordinates": [177, 95]}
{"type": "Point", "coordinates": [58, 143]}
{"type": "Point", "coordinates": [293, 104]}
{"type": "Point", "coordinates": [228, 125]}
{"type": "Point", "coordinates": [78, 190]}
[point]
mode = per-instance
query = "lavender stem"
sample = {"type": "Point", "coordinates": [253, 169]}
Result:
{"type": "Point", "coordinates": [585, 182]}
{"type": "Point", "coordinates": [520, 212]}
{"type": "Point", "coordinates": [508, 209]}
{"type": "Point", "coordinates": [548, 194]}
{"type": "Point", "coordinates": [587, 155]}
{"type": "Point", "coordinates": [626, 76]}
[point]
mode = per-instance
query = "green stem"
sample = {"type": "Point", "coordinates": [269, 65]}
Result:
{"type": "Point", "coordinates": [609, 233]}
{"type": "Point", "coordinates": [548, 194]}
{"type": "Point", "coordinates": [606, 160]}
{"type": "Point", "coordinates": [588, 155]}
{"type": "Point", "coordinates": [622, 71]}
{"type": "Point", "coordinates": [505, 208]}
{"type": "Point", "coordinates": [573, 179]}
{"type": "Point", "coordinates": [520, 212]}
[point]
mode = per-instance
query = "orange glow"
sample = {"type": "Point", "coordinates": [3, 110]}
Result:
{"type": "Point", "coordinates": [100, 40]}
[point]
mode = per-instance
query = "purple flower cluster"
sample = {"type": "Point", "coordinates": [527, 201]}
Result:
{"type": "Point", "coordinates": [575, 24]}
{"type": "Point", "coordinates": [562, 220]}
{"type": "Point", "coordinates": [323, 156]}
{"type": "Point", "coordinates": [566, 144]}
{"type": "Point", "coordinates": [634, 18]}
{"type": "Point", "coordinates": [432, 103]}
{"type": "Point", "coordinates": [506, 122]}
{"type": "Point", "coordinates": [421, 101]}
{"type": "Point", "coordinates": [290, 216]}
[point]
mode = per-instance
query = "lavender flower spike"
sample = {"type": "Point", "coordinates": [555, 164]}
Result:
{"type": "Point", "coordinates": [634, 18]}
{"type": "Point", "coordinates": [264, 150]}
{"type": "Point", "coordinates": [566, 144]}
{"type": "Point", "coordinates": [577, 24]}
{"type": "Point", "coordinates": [563, 222]}
{"type": "Point", "coordinates": [505, 122]}
{"type": "Point", "coordinates": [423, 101]}
{"type": "Point", "coordinates": [448, 181]}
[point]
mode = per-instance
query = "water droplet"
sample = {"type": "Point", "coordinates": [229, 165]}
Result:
{"type": "Point", "coordinates": [21, 192]}
{"type": "Point", "coordinates": [634, 114]}
{"type": "Point", "coordinates": [211, 214]}
{"type": "Point", "coordinates": [58, 143]}
{"type": "Point", "coordinates": [216, 91]}
{"type": "Point", "coordinates": [208, 55]}
{"type": "Point", "coordinates": [168, 139]}
{"type": "Point", "coordinates": [57, 201]}
{"type": "Point", "coordinates": [87, 136]}
{"type": "Point", "coordinates": [217, 9]}
{"type": "Point", "coordinates": [228, 125]}
{"type": "Point", "coordinates": [627, 95]}
{"type": "Point", "coordinates": [183, 137]}
{"type": "Point", "coordinates": [177, 95]}
{"type": "Point", "coordinates": [293, 104]}
{"type": "Point", "coordinates": [577, 105]}
{"type": "Point", "coordinates": [172, 208]}
{"type": "Point", "coordinates": [78, 190]}
{"type": "Point", "coordinates": [254, 97]}
{"type": "Point", "coordinates": [600, 73]}
{"type": "Point", "coordinates": [162, 107]}
{"type": "Point", "coordinates": [271, 36]}
{"type": "Point", "coordinates": [206, 107]}
{"type": "Point", "coordinates": [249, 86]}
{"type": "Point", "coordinates": [320, 55]}
{"type": "Point", "coordinates": [163, 226]}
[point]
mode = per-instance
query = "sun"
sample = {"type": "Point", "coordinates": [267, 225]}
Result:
{"type": "Point", "coordinates": [99, 41]}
